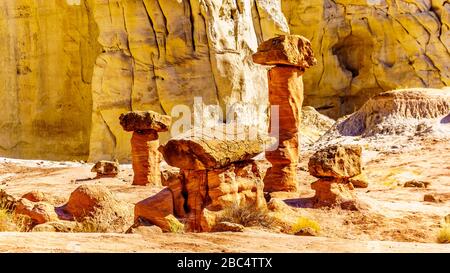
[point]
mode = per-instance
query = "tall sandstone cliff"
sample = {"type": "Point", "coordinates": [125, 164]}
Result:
{"type": "Point", "coordinates": [47, 55]}
{"type": "Point", "coordinates": [70, 67]}
{"type": "Point", "coordinates": [161, 53]}
{"type": "Point", "coordinates": [364, 47]}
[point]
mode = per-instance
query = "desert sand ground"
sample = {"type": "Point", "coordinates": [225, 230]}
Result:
{"type": "Point", "coordinates": [396, 219]}
{"type": "Point", "coordinates": [248, 241]}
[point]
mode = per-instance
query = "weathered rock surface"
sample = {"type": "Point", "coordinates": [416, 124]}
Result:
{"type": "Point", "coordinates": [145, 126]}
{"type": "Point", "coordinates": [367, 47]}
{"type": "Point", "coordinates": [286, 91]}
{"type": "Point", "coordinates": [335, 166]}
{"type": "Point", "coordinates": [340, 161]}
{"type": "Point", "coordinates": [39, 212]}
{"type": "Point", "coordinates": [228, 227]}
{"type": "Point", "coordinates": [434, 198]}
{"type": "Point", "coordinates": [145, 120]}
{"type": "Point", "coordinates": [174, 181]}
{"type": "Point", "coordinates": [278, 205]}
{"type": "Point", "coordinates": [171, 176]}
{"type": "Point", "coordinates": [123, 55]}
{"type": "Point", "coordinates": [332, 192]}
{"type": "Point", "coordinates": [416, 184]}
{"type": "Point", "coordinates": [105, 168]}
{"type": "Point", "coordinates": [403, 113]}
{"type": "Point", "coordinates": [215, 147]}
{"type": "Point", "coordinates": [48, 54]}
{"type": "Point", "coordinates": [155, 208]}
{"type": "Point", "coordinates": [159, 210]}
{"type": "Point", "coordinates": [313, 125]}
{"type": "Point", "coordinates": [159, 53]}
{"type": "Point", "coordinates": [281, 177]}
{"type": "Point", "coordinates": [57, 226]}
{"type": "Point", "coordinates": [87, 200]}
{"type": "Point", "coordinates": [359, 181]}
{"type": "Point", "coordinates": [290, 50]}
{"type": "Point", "coordinates": [210, 192]}
{"type": "Point", "coordinates": [200, 196]}
{"type": "Point", "coordinates": [145, 158]}
{"type": "Point", "coordinates": [307, 231]}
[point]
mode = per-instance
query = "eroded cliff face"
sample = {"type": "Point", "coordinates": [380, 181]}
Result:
{"type": "Point", "coordinates": [47, 53]}
{"type": "Point", "coordinates": [365, 47]}
{"type": "Point", "coordinates": [161, 53]}
{"type": "Point", "coordinates": [71, 67]}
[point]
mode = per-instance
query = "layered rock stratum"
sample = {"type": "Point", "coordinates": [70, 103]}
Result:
{"type": "Point", "coordinates": [364, 47]}
{"type": "Point", "coordinates": [393, 119]}
{"type": "Point", "coordinates": [47, 54]}
{"type": "Point", "coordinates": [71, 67]}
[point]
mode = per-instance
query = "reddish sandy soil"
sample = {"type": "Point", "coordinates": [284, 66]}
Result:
{"type": "Point", "coordinates": [248, 241]}
{"type": "Point", "coordinates": [395, 218]}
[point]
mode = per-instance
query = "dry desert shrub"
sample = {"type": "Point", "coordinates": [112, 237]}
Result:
{"type": "Point", "coordinates": [6, 223]}
{"type": "Point", "coordinates": [175, 226]}
{"type": "Point", "coordinates": [23, 223]}
{"type": "Point", "coordinates": [12, 222]}
{"type": "Point", "coordinates": [248, 216]}
{"type": "Point", "coordinates": [444, 234]}
{"type": "Point", "coordinates": [304, 223]}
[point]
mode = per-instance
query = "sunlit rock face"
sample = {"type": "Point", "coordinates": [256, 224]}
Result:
{"type": "Point", "coordinates": [47, 54]}
{"type": "Point", "coordinates": [71, 67]}
{"type": "Point", "coordinates": [161, 53]}
{"type": "Point", "coordinates": [365, 47]}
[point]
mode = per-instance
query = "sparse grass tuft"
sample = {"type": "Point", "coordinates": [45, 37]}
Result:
{"type": "Point", "coordinates": [9, 221]}
{"type": "Point", "coordinates": [175, 226]}
{"type": "Point", "coordinates": [23, 223]}
{"type": "Point", "coordinates": [6, 223]}
{"type": "Point", "coordinates": [305, 223]}
{"type": "Point", "coordinates": [444, 234]}
{"type": "Point", "coordinates": [12, 222]}
{"type": "Point", "coordinates": [248, 216]}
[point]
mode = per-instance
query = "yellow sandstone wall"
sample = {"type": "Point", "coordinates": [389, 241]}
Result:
{"type": "Point", "coordinates": [364, 47]}
{"type": "Point", "coordinates": [47, 51]}
{"type": "Point", "coordinates": [161, 53]}
{"type": "Point", "coordinates": [70, 67]}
